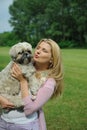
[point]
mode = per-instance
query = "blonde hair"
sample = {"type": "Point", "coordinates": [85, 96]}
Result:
{"type": "Point", "coordinates": [56, 70]}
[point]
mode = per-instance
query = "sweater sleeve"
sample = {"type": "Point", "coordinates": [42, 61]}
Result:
{"type": "Point", "coordinates": [44, 94]}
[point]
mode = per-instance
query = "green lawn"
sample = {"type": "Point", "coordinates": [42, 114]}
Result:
{"type": "Point", "coordinates": [4, 56]}
{"type": "Point", "coordinates": [68, 112]}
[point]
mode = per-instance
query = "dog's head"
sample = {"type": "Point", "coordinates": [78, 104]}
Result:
{"type": "Point", "coordinates": [21, 53]}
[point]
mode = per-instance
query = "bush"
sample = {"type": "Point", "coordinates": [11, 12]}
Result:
{"type": "Point", "coordinates": [68, 44]}
{"type": "Point", "coordinates": [8, 39]}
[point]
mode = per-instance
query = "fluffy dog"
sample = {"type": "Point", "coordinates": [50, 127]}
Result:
{"type": "Point", "coordinates": [20, 53]}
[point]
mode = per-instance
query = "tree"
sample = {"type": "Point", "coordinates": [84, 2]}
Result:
{"type": "Point", "coordinates": [8, 39]}
{"type": "Point", "coordinates": [61, 20]}
{"type": "Point", "coordinates": [28, 19]}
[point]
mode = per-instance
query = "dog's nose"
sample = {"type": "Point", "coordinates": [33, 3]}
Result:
{"type": "Point", "coordinates": [26, 54]}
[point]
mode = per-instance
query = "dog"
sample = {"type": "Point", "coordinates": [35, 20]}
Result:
{"type": "Point", "coordinates": [21, 53]}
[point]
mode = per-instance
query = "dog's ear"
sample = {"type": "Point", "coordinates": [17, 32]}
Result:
{"type": "Point", "coordinates": [12, 52]}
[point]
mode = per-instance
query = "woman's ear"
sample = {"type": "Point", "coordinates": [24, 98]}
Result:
{"type": "Point", "coordinates": [51, 60]}
{"type": "Point", "coordinates": [51, 63]}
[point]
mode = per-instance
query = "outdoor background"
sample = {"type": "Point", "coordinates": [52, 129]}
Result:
{"type": "Point", "coordinates": [65, 22]}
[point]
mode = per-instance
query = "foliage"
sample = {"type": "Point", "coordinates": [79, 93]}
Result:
{"type": "Point", "coordinates": [61, 20]}
{"type": "Point", "coordinates": [8, 39]}
{"type": "Point", "coordinates": [68, 44]}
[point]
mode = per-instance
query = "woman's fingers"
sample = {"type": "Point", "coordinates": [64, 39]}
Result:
{"type": "Point", "coordinates": [10, 106]}
{"type": "Point", "coordinates": [16, 72]}
{"type": "Point", "coordinates": [5, 103]}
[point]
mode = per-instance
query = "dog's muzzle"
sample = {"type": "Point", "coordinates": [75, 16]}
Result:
{"type": "Point", "coordinates": [26, 58]}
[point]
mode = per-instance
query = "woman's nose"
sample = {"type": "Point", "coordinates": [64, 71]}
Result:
{"type": "Point", "coordinates": [38, 51]}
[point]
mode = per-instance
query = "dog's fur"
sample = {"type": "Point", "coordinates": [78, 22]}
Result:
{"type": "Point", "coordinates": [21, 53]}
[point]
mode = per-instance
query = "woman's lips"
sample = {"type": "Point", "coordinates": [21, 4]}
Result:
{"type": "Point", "coordinates": [36, 56]}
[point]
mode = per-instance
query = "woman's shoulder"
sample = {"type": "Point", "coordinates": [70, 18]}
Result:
{"type": "Point", "coordinates": [50, 83]}
{"type": "Point", "coordinates": [51, 80]}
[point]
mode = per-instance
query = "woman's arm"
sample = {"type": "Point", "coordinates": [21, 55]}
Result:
{"type": "Point", "coordinates": [44, 94]}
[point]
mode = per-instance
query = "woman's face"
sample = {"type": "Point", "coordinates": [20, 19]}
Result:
{"type": "Point", "coordinates": [42, 53]}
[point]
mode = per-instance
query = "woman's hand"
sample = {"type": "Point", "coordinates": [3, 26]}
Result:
{"type": "Point", "coordinates": [16, 72]}
{"type": "Point", "coordinates": [5, 103]}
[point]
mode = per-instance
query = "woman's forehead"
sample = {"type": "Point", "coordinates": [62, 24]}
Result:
{"type": "Point", "coordinates": [45, 45]}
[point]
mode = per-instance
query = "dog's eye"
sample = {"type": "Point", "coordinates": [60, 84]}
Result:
{"type": "Point", "coordinates": [29, 51]}
{"type": "Point", "coordinates": [21, 52]}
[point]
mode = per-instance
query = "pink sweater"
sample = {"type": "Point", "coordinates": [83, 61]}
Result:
{"type": "Point", "coordinates": [44, 94]}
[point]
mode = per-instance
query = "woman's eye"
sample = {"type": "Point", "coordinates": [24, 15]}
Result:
{"type": "Point", "coordinates": [44, 50]}
{"type": "Point", "coordinates": [41, 49]}
{"type": "Point", "coordinates": [38, 48]}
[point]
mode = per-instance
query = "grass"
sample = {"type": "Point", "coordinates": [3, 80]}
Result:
{"type": "Point", "coordinates": [68, 112]}
{"type": "Point", "coordinates": [4, 57]}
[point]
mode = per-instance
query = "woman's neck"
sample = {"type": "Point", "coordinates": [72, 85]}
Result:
{"type": "Point", "coordinates": [41, 67]}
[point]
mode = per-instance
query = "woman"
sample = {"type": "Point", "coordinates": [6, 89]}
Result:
{"type": "Point", "coordinates": [47, 58]}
